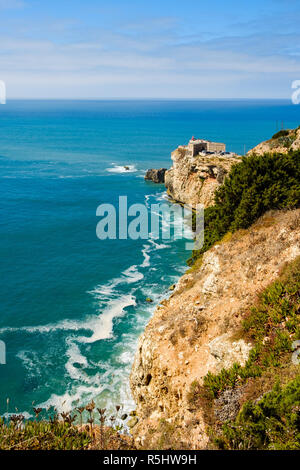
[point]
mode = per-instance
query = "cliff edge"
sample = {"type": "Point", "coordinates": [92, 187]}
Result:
{"type": "Point", "coordinates": [283, 142]}
{"type": "Point", "coordinates": [196, 330]}
{"type": "Point", "coordinates": [218, 352]}
{"type": "Point", "coordinates": [194, 179]}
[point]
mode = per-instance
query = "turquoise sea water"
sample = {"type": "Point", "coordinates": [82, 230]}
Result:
{"type": "Point", "coordinates": [72, 306]}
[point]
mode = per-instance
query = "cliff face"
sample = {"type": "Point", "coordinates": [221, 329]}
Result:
{"type": "Point", "coordinates": [193, 331]}
{"type": "Point", "coordinates": [157, 176]}
{"type": "Point", "coordinates": [193, 180]}
{"type": "Point", "coordinates": [282, 142]}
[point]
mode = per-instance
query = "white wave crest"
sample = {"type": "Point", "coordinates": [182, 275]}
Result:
{"type": "Point", "coordinates": [101, 326]}
{"type": "Point", "coordinates": [122, 169]}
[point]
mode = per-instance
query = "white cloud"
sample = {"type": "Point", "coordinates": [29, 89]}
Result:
{"type": "Point", "coordinates": [165, 64]}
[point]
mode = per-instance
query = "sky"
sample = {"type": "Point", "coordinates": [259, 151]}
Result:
{"type": "Point", "coordinates": [95, 49]}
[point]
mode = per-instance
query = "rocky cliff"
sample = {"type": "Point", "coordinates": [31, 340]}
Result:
{"type": "Point", "coordinates": [194, 180]}
{"type": "Point", "coordinates": [281, 142]}
{"type": "Point", "coordinates": [196, 330]}
{"type": "Point", "coordinates": [157, 176]}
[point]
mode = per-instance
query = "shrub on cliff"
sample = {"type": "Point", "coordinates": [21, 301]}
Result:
{"type": "Point", "coordinates": [257, 184]}
{"type": "Point", "coordinates": [266, 420]}
{"type": "Point", "coordinates": [43, 435]}
{"type": "Point", "coordinates": [272, 325]}
{"type": "Point", "coordinates": [58, 431]}
{"type": "Point", "coordinates": [273, 423]}
{"type": "Point", "coordinates": [282, 133]}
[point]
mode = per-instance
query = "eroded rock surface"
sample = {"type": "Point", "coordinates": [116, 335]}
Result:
{"type": "Point", "coordinates": [282, 142]}
{"type": "Point", "coordinates": [194, 180]}
{"type": "Point", "coordinates": [193, 331]}
{"type": "Point", "coordinates": [157, 176]}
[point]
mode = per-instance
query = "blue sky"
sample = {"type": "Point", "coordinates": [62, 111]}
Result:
{"type": "Point", "coordinates": [137, 48]}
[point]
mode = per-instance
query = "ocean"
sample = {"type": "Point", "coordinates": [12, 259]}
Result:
{"type": "Point", "coordinates": [73, 306]}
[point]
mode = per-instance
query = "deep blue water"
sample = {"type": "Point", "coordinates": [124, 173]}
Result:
{"type": "Point", "coordinates": [72, 306]}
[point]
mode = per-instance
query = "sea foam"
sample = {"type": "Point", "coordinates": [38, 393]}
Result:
{"type": "Point", "coordinates": [121, 169]}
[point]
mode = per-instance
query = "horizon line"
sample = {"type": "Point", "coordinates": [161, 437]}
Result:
{"type": "Point", "coordinates": [145, 99]}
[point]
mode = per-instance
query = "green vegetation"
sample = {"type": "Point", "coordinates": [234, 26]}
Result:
{"type": "Point", "coordinates": [266, 419]}
{"type": "Point", "coordinates": [282, 133]}
{"type": "Point", "coordinates": [272, 325]}
{"type": "Point", "coordinates": [59, 431]}
{"type": "Point", "coordinates": [273, 423]}
{"type": "Point", "coordinates": [268, 413]}
{"type": "Point", "coordinates": [44, 435]}
{"type": "Point", "coordinates": [257, 184]}
{"type": "Point", "coordinates": [283, 138]}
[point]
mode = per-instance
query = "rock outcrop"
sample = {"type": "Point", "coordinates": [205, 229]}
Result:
{"type": "Point", "coordinates": [157, 176]}
{"type": "Point", "coordinates": [194, 331]}
{"type": "Point", "coordinates": [194, 180]}
{"type": "Point", "coordinates": [282, 142]}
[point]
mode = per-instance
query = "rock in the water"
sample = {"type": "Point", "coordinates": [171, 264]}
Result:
{"type": "Point", "coordinates": [157, 176]}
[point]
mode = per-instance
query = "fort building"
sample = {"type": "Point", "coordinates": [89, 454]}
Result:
{"type": "Point", "coordinates": [196, 146]}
